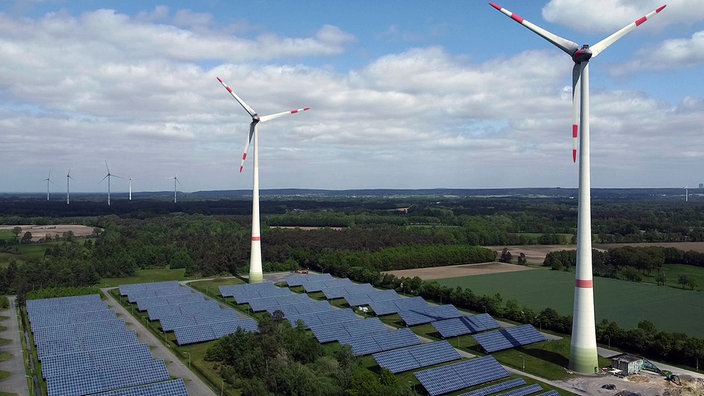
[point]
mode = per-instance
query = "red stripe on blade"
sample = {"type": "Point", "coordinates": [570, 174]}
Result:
{"type": "Point", "coordinates": [498, 7]}
{"type": "Point", "coordinates": [641, 20]}
{"type": "Point", "coordinates": [574, 130]}
{"type": "Point", "coordinates": [517, 18]}
{"type": "Point", "coordinates": [256, 239]}
{"type": "Point", "coordinates": [660, 8]}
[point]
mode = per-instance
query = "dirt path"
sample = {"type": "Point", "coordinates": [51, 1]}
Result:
{"type": "Point", "coordinates": [454, 271]}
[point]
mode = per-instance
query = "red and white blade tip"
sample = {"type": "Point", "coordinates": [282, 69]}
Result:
{"type": "Point", "coordinates": [297, 110]}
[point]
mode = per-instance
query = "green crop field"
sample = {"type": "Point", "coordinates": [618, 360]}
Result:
{"type": "Point", "coordinates": [626, 303]}
{"type": "Point", "coordinates": [146, 276]}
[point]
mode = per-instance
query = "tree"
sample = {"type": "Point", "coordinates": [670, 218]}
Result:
{"type": "Point", "coordinates": [27, 237]}
{"type": "Point", "coordinates": [660, 278]}
{"type": "Point", "coordinates": [683, 280]}
{"type": "Point", "coordinates": [522, 259]}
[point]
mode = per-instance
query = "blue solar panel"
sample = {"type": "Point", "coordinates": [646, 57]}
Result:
{"type": "Point", "coordinates": [298, 280]}
{"type": "Point", "coordinates": [549, 393]}
{"type": "Point", "coordinates": [174, 387]}
{"type": "Point", "coordinates": [528, 390]}
{"type": "Point", "coordinates": [194, 334]}
{"type": "Point", "coordinates": [411, 358]}
{"type": "Point", "coordinates": [453, 377]}
{"type": "Point", "coordinates": [507, 338]}
{"type": "Point", "coordinates": [366, 344]}
{"type": "Point", "coordinates": [465, 325]}
{"type": "Point", "coordinates": [496, 388]}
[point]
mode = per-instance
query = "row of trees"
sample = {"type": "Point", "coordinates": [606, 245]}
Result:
{"type": "Point", "coordinates": [286, 360]}
{"type": "Point", "coordinates": [630, 262]}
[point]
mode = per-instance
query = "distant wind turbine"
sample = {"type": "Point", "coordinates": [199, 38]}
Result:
{"type": "Point", "coordinates": [686, 193]}
{"type": "Point", "coordinates": [583, 352]}
{"type": "Point", "coordinates": [175, 181]}
{"type": "Point", "coordinates": [130, 189]}
{"type": "Point", "coordinates": [68, 186]}
{"type": "Point", "coordinates": [48, 181]}
{"type": "Point", "coordinates": [255, 263]}
{"type": "Point", "coordinates": [108, 176]}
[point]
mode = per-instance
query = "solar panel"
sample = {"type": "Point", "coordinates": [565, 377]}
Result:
{"type": "Point", "coordinates": [465, 325]}
{"type": "Point", "coordinates": [549, 393]}
{"type": "Point", "coordinates": [334, 331]}
{"type": "Point", "coordinates": [496, 388]}
{"type": "Point", "coordinates": [194, 334]}
{"type": "Point", "coordinates": [456, 376]}
{"type": "Point", "coordinates": [411, 358]}
{"type": "Point", "coordinates": [530, 389]}
{"type": "Point", "coordinates": [174, 387]}
{"type": "Point", "coordinates": [298, 280]}
{"type": "Point", "coordinates": [507, 338]}
{"type": "Point", "coordinates": [366, 344]}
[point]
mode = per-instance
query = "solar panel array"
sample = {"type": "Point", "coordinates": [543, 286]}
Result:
{"type": "Point", "coordinates": [315, 285]}
{"type": "Point", "coordinates": [429, 314]}
{"type": "Point", "coordinates": [174, 387]}
{"type": "Point", "coordinates": [276, 302]}
{"type": "Point", "coordinates": [527, 390]}
{"type": "Point", "coordinates": [456, 376]}
{"type": "Point", "coordinates": [335, 331]}
{"type": "Point", "coordinates": [507, 338]}
{"type": "Point", "coordinates": [243, 294]}
{"type": "Point", "coordinates": [191, 316]}
{"type": "Point", "coordinates": [366, 344]}
{"type": "Point", "coordinates": [369, 297]}
{"type": "Point", "coordinates": [465, 325]}
{"type": "Point", "coordinates": [342, 291]}
{"type": "Point", "coordinates": [85, 349]}
{"type": "Point", "coordinates": [411, 358]}
{"type": "Point", "coordinates": [496, 388]}
{"type": "Point", "coordinates": [299, 280]}
{"type": "Point", "coordinates": [392, 306]}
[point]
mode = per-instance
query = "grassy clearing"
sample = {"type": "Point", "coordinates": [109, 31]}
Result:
{"type": "Point", "coordinates": [673, 271]}
{"type": "Point", "coordinates": [625, 303]}
{"type": "Point", "coordinates": [4, 356]}
{"type": "Point", "coordinates": [146, 276]}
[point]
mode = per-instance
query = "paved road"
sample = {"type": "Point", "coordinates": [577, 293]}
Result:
{"type": "Point", "coordinates": [16, 382]}
{"type": "Point", "coordinates": [195, 386]}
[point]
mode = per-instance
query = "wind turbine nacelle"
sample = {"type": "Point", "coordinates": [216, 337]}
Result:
{"type": "Point", "coordinates": [582, 55]}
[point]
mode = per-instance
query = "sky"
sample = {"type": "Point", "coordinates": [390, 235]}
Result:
{"type": "Point", "coordinates": [403, 94]}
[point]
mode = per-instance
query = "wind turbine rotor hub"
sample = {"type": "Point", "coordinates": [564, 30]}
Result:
{"type": "Point", "coordinates": [582, 55]}
{"type": "Point", "coordinates": [255, 117]}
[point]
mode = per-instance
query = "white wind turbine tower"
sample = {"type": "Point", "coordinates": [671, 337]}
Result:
{"type": "Point", "coordinates": [175, 181]}
{"type": "Point", "coordinates": [583, 353]}
{"type": "Point", "coordinates": [48, 181]}
{"type": "Point", "coordinates": [686, 193]}
{"type": "Point", "coordinates": [130, 189]}
{"type": "Point", "coordinates": [108, 176]}
{"type": "Point", "coordinates": [68, 187]}
{"type": "Point", "coordinates": [255, 263]}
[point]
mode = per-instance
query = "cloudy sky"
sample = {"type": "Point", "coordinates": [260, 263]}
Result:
{"type": "Point", "coordinates": [403, 94]}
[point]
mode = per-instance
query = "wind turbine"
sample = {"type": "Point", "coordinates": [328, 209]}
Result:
{"type": "Point", "coordinates": [583, 353]}
{"type": "Point", "coordinates": [48, 180]}
{"type": "Point", "coordinates": [108, 176]}
{"type": "Point", "coordinates": [130, 189]}
{"type": "Point", "coordinates": [255, 262]}
{"type": "Point", "coordinates": [175, 181]}
{"type": "Point", "coordinates": [686, 193]}
{"type": "Point", "coordinates": [68, 186]}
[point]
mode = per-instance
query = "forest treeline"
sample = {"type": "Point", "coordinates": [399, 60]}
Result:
{"type": "Point", "coordinates": [630, 262]}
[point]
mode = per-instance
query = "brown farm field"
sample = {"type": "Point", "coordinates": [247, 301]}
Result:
{"type": "Point", "coordinates": [40, 232]}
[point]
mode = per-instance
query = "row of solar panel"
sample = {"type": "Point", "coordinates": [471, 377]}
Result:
{"type": "Point", "coordinates": [108, 378]}
{"type": "Point", "coordinates": [76, 329]}
{"type": "Point", "coordinates": [300, 279]}
{"type": "Point", "coordinates": [465, 325]}
{"type": "Point", "coordinates": [428, 314]}
{"type": "Point", "coordinates": [174, 387]}
{"type": "Point", "coordinates": [212, 331]}
{"type": "Point", "coordinates": [456, 376]}
{"type": "Point", "coordinates": [366, 344]}
{"type": "Point", "coordinates": [507, 338]}
{"type": "Point", "coordinates": [415, 357]}
{"type": "Point", "coordinates": [97, 354]}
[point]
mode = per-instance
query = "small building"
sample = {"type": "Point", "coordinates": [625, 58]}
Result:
{"type": "Point", "coordinates": [628, 364]}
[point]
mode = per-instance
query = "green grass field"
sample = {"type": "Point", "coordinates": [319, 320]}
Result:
{"type": "Point", "coordinates": [626, 303]}
{"type": "Point", "coordinates": [146, 276]}
{"type": "Point", "coordinates": [673, 271]}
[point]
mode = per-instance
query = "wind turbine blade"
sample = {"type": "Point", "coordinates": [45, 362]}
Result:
{"type": "Point", "coordinates": [252, 126]}
{"type": "Point", "coordinates": [106, 176]}
{"type": "Point", "coordinates": [605, 43]}
{"type": "Point", "coordinates": [576, 75]}
{"type": "Point", "coordinates": [238, 99]}
{"type": "Point", "coordinates": [106, 167]}
{"type": "Point", "coordinates": [283, 113]}
{"type": "Point", "coordinates": [566, 45]}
